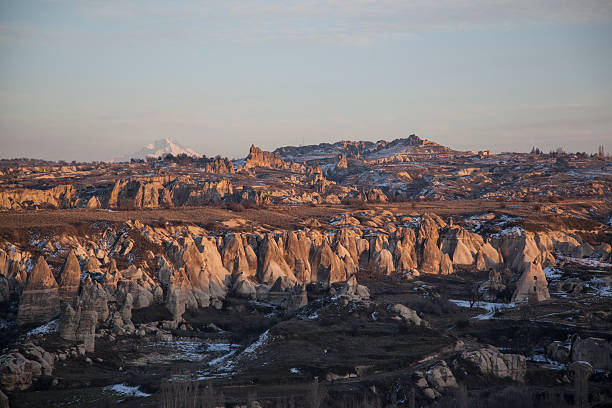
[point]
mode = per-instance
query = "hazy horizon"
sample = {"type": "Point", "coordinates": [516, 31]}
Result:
{"type": "Point", "coordinates": [95, 80]}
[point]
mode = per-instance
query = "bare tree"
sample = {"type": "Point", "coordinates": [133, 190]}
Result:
{"type": "Point", "coordinates": [316, 394]}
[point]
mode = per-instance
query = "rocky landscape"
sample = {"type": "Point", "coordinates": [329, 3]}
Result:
{"type": "Point", "coordinates": [354, 274]}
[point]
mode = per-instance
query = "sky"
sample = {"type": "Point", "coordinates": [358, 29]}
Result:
{"type": "Point", "coordinates": [92, 80]}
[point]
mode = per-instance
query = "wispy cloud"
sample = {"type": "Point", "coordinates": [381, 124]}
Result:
{"type": "Point", "coordinates": [317, 21]}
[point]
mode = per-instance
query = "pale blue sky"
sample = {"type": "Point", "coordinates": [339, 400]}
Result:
{"type": "Point", "coordinates": [89, 80]}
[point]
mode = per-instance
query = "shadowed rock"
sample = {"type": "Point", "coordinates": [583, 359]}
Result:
{"type": "Point", "coordinates": [39, 301]}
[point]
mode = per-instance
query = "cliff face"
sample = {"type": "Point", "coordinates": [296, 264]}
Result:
{"type": "Point", "coordinates": [196, 270]}
{"type": "Point", "coordinates": [63, 196]}
{"type": "Point", "coordinates": [272, 160]}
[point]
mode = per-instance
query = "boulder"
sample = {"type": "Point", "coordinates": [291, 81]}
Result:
{"type": "Point", "coordinates": [407, 315]}
{"type": "Point", "coordinates": [18, 369]}
{"type": "Point", "coordinates": [558, 351]}
{"type": "Point", "coordinates": [440, 377]}
{"type": "Point", "coordinates": [596, 351]}
{"type": "Point", "coordinates": [354, 290]}
{"type": "Point", "coordinates": [490, 361]}
{"type": "Point", "coordinates": [15, 372]}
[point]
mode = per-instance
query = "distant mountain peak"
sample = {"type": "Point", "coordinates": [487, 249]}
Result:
{"type": "Point", "coordinates": [158, 148]}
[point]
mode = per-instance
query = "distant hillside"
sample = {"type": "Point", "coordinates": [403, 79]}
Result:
{"type": "Point", "coordinates": [362, 149]}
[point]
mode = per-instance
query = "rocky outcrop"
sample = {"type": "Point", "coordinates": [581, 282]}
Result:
{"type": "Point", "coordinates": [597, 352]}
{"type": "Point", "coordinates": [93, 203]}
{"type": "Point", "coordinates": [143, 192]}
{"type": "Point", "coordinates": [407, 315]}
{"type": "Point", "coordinates": [244, 288]}
{"type": "Point", "coordinates": [19, 368]}
{"type": "Point", "coordinates": [492, 288]}
{"type": "Point", "coordinates": [353, 290]}
{"type": "Point", "coordinates": [15, 372]}
{"type": "Point", "coordinates": [520, 249]}
{"type": "Point", "coordinates": [238, 256]}
{"type": "Point", "coordinates": [288, 298]}
{"type": "Point", "coordinates": [558, 351]}
{"type": "Point", "coordinates": [462, 246]}
{"type": "Point", "coordinates": [272, 160]}
{"type": "Point", "coordinates": [70, 278]}
{"type": "Point", "coordinates": [207, 276]}
{"type": "Point", "coordinates": [39, 302]}
{"type": "Point", "coordinates": [220, 166]}
{"type": "Point", "coordinates": [430, 255]}
{"type": "Point", "coordinates": [436, 380]}
{"type": "Point", "coordinates": [532, 284]}
{"type": "Point", "coordinates": [79, 325]}
{"type": "Point", "coordinates": [62, 196]}
{"type": "Point", "coordinates": [327, 266]}
{"type": "Point", "coordinates": [490, 361]}
{"type": "Point", "coordinates": [271, 262]}
{"type": "Point", "coordinates": [297, 250]}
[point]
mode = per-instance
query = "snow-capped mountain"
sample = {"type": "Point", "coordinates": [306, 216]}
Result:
{"type": "Point", "coordinates": [159, 148]}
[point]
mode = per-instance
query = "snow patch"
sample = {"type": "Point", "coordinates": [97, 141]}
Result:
{"type": "Point", "coordinates": [258, 343]}
{"type": "Point", "coordinates": [552, 273]}
{"type": "Point", "coordinates": [127, 390]}
{"type": "Point", "coordinates": [47, 328]}
{"type": "Point", "coordinates": [490, 307]}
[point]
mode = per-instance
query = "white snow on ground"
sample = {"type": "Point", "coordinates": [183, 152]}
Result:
{"type": "Point", "coordinates": [4, 324]}
{"type": "Point", "coordinates": [185, 350]}
{"type": "Point", "coordinates": [222, 363]}
{"type": "Point", "coordinates": [511, 231]}
{"type": "Point", "coordinates": [552, 273]}
{"type": "Point", "coordinates": [600, 286]}
{"type": "Point", "coordinates": [47, 328]}
{"type": "Point", "coordinates": [127, 390]}
{"type": "Point", "coordinates": [226, 364]}
{"type": "Point", "coordinates": [182, 349]}
{"type": "Point", "coordinates": [257, 344]}
{"type": "Point", "coordinates": [490, 307]}
{"type": "Point", "coordinates": [586, 262]}
{"type": "Point", "coordinates": [219, 347]}
{"type": "Point", "coordinates": [545, 362]}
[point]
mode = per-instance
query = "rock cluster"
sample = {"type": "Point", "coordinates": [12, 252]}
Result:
{"type": "Point", "coordinates": [490, 361]}
{"type": "Point", "coordinates": [435, 381]}
{"type": "Point", "coordinates": [597, 352]}
{"type": "Point", "coordinates": [19, 368]}
{"type": "Point", "coordinates": [272, 160]}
